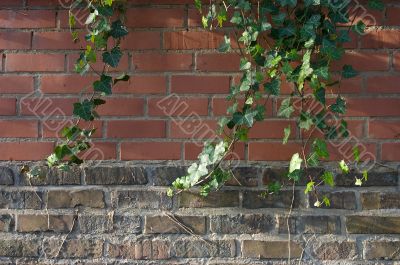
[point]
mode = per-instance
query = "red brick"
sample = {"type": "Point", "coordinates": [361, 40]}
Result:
{"type": "Point", "coordinates": [192, 150]}
{"type": "Point", "coordinates": [16, 84]}
{"type": "Point", "coordinates": [272, 129]}
{"type": "Point", "coordinates": [27, 19]}
{"type": "Point", "coordinates": [391, 152]}
{"type": "Point", "coordinates": [193, 129]}
{"type": "Point", "coordinates": [69, 84]}
{"type": "Point", "coordinates": [373, 107]}
{"type": "Point", "coordinates": [52, 127]}
{"type": "Point", "coordinates": [54, 40]}
{"type": "Point", "coordinates": [343, 150]}
{"type": "Point", "coordinates": [18, 128]}
{"type": "Point", "coordinates": [48, 3]}
{"type": "Point", "coordinates": [384, 129]}
{"type": "Point", "coordinates": [187, 40]}
{"type": "Point", "coordinates": [136, 129]}
{"type": "Point", "coordinates": [25, 150]}
{"type": "Point", "coordinates": [11, 3]}
{"type": "Point", "coordinates": [35, 62]}
{"type": "Point", "coordinates": [101, 151]}
{"type": "Point", "coordinates": [177, 106]}
{"type": "Point", "coordinates": [122, 107]}
{"type": "Point", "coordinates": [347, 86]}
{"type": "Point", "coordinates": [383, 84]}
{"type": "Point", "coordinates": [151, 151]}
{"type": "Point", "coordinates": [8, 106]}
{"type": "Point", "coordinates": [161, 2]}
{"type": "Point", "coordinates": [142, 85]}
{"type": "Point", "coordinates": [47, 106]}
{"type": "Point", "coordinates": [364, 61]}
{"type": "Point", "coordinates": [380, 39]}
{"type": "Point", "coordinates": [213, 62]}
{"type": "Point", "coordinates": [155, 17]}
{"type": "Point", "coordinates": [273, 151]}
{"type": "Point", "coordinates": [152, 62]}
{"type": "Point", "coordinates": [80, 18]}
{"type": "Point", "coordinates": [393, 18]}
{"type": "Point", "coordinates": [142, 40]}
{"type": "Point", "coordinates": [396, 61]}
{"type": "Point", "coordinates": [10, 40]}
{"type": "Point", "coordinates": [200, 84]}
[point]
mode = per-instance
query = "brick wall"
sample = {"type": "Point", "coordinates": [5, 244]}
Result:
{"type": "Point", "coordinates": [117, 213]}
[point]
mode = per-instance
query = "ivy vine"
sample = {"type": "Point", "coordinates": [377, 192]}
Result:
{"type": "Point", "coordinates": [278, 41]}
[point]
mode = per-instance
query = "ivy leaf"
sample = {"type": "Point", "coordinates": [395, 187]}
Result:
{"type": "Point", "coordinates": [123, 77]}
{"type": "Point", "coordinates": [376, 4]}
{"type": "Point", "coordinates": [106, 11]}
{"type": "Point", "coordinates": [286, 134]}
{"type": "Point", "coordinates": [226, 45]}
{"type": "Point", "coordinates": [309, 187]}
{"type": "Point", "coordinates": [356, 154]}
{"type": "Point", "coordinates": [305, 121]}
{"type": "Point", "coordinates": [274, 187]}
{"type": "Point", "coordinates": [344, 167]}
{"type": "Point", "coordinates": [312, 159]}
{"type": "Point", "coordinates": [273, 87]}
{"type": "Point", "coordinates": [113, 57]}
{"type": "Point", "coordinates": [84, 110]}
{"type": "Point", "coordinates": [197, 4]}
{"type": "Point", "coordinates": [286, 109]}
{"type": "Point", "coordinates": [349, 72]}
{"type": "Point", "coordinates": [339, 106]}
{"type": "Point", "coordinates": [327, 177]}
{"type": "Point", "coordinates": [103, 85]}
{"type": "Point", "coordinates": [326, 201]}
{"type": "Point", "coordinates": [320, 147]}
{"type": "Point", "coordinates": [295, 162]}
{"type": "Point", "coordinates": [118, 30]}
{"type": "Point", "coordinates": [320, 95]}
{"type": "Point", "coordinates": [359, 28]}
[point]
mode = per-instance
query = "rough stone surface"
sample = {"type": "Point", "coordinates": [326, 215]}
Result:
{"type": "Point", "coordinates": [164, 175]}
{"type": "Point", "coordinates": [254, 200]}
{"type": "Point", "coordinates": [144, 200]}
{"type": "Point", "coordinates": [245, 176]}
{"type": "Point", "coordinates": [175, 224]}
{"type": "Point", "coordinates": [386, 178]}
{"type": "Point", "coordinates": [242, 224]}
{"type": "Point", "coordinates": [382, 250]}
{"type": "Point", "coordinates": [6, 176]}
{"type": "Point", "coordinates": [215, 199]}
{"type": "Point", "coordinates": [116, 176]}
{"type": "Point", "coordinates": [70, 199]}
{"type": "Point", "coordinates": [270, 249]}
{"type": "Point", "coordinates": [6, 223]}
{"type": "Point", "coordinates": [380, 200]}
{"type": "Point", "coordinates": [204, 249]}
{"type": "Point", "coordinates": [346, 250]}
{"type": "Point", "coordinates": [142, 249]}
{"type": "Point", "coordinates": [373, 224]}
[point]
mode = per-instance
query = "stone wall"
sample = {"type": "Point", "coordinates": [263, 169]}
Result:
{"type": "Point", "coordinates": [120, 214]}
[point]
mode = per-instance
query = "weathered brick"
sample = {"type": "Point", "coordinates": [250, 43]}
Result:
{"type": "Point", "coordinates": [175, 224]}
{"type": "Point", "coordinates": [310, 225]}
{"type": "Point", "coordinates": [387, 178]}
{"type": "Point", "coordinates": [338, 199]}
{"type": "Point", "coordinates": [382, 250]}
{"type": "Point", "coordinates": [270, 249]}
{"type": "Point", "coordinates": [42, 223]}
{"type": "Point", "coordinates": [115, 176]}
{"type": "Point", "coordinates": [52, 176]}
{"type": "Point", "coordinates": [140, 249]}
{"type": "Point", "coordinates": [19, 247]}
{"type": "Point", "coordinates": [127, 224]}
{"type": "Point", "coordinates": [254, 200]}
{"type": "Point", "coordinates": [21, 200]}
{"type": "Point", "coordinates": [82, 248]}
{"type": "Point", "coordinates": [214, 199]}
{"type": "Point", "coordinates": [164, 175]}
{"type": "Point", "coordinates": [6, 176]}
{"type": "Point", "coordinates": [245, 176]}
{"type": "Point", "coordinates": [6, 223]}
{"type": "Point", "coordinates": [144, 200]}
{"type": "Point", "coordinates": [94, 224]}
{"type": "Point", "coordinates": [380, 200]}
{"type": "Point", "coordinates": [185, 248]}
{"type": "Point", "coordinates": [242, 224]}
{"type": "Point", "coordinates": [70, 199]}
{"type": "Point", "coordinates": [335, 250]}
{"type": "Point", "coordinates": [373, 224]}
{"type": "Point", "coordinates": [279, 174]}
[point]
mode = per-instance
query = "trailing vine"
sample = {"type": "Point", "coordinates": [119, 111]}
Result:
{"type": "Point", "coordinates": [278, 41]}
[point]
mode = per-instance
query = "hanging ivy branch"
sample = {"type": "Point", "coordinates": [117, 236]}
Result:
{"type": "Point", "coordinates": [280, 41]}
{"type": "Point", "coordinates": [290, 40]}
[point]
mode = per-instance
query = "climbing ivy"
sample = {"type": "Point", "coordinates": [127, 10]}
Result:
{"type": "Point", "coordinates": [278, 41]}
